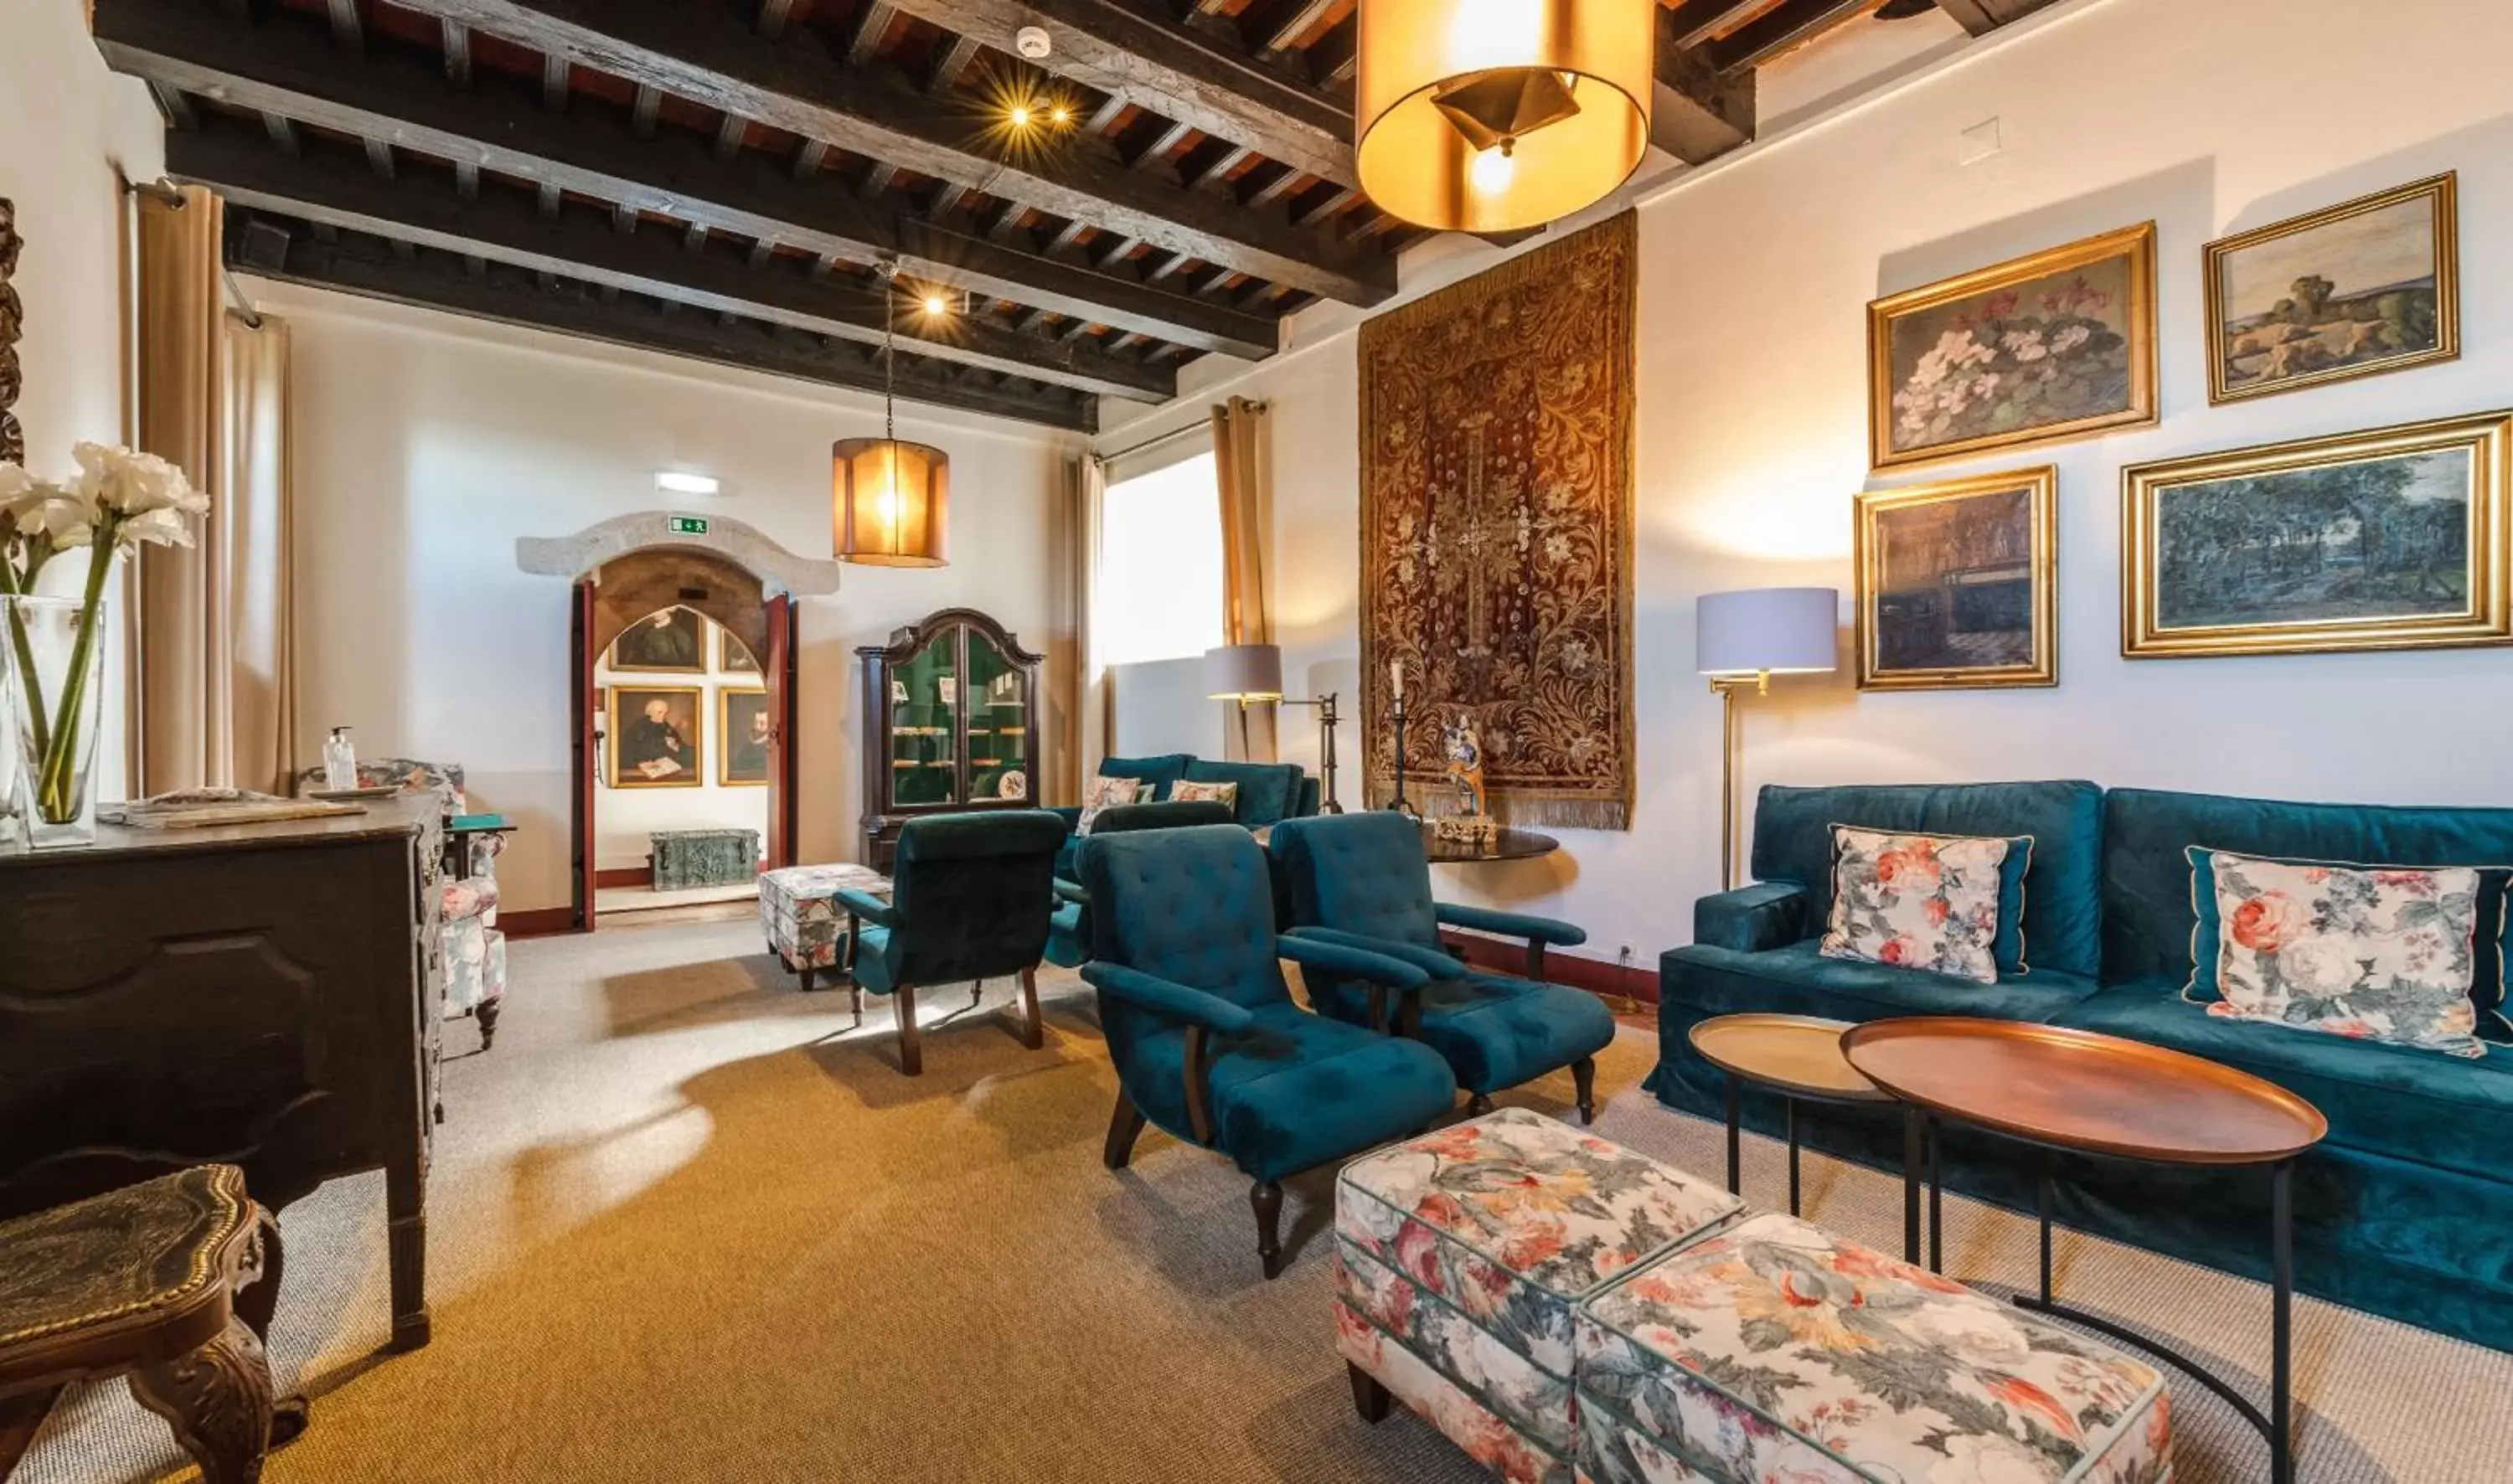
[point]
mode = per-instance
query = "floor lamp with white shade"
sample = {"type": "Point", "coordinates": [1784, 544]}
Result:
{"type": "Point", "coordinates": [1741, 641]}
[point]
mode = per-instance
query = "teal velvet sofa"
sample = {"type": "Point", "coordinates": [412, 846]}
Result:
{"type": "Point", "coordinates": [1269, 793]}
{"type": "Point", "coordinates": [2405, 1210]}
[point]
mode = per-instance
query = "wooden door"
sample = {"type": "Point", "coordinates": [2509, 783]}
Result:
{"type": "Point", "coordinates": [784, 814]}
{"type": "Point", "coordinates": [584, 751]}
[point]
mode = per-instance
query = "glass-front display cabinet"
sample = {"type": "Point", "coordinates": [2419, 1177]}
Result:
{"type": "Point", "coordinates": [949, 707]}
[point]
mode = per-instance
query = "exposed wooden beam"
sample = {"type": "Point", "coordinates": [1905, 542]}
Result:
{"type": "Point", "coordinates": [642, 112]}
{"type": "Point", "coordinates": [555, 72]}
{"type": "Point", "coordinates": [457, 53]}
{"type": "Point", "coordinates": [347, 33]}
{"type": "Point", "coordinates": [172, 103]}
{"type": "Point", "coordinates": [511, 295]}
{"type": "Point", "coordinates": [284, 67]}
{"type": "Point", "coordinates": [1157, 152]}
{"type": "Point", "coordinates": [773, 16]}
{"type": "Point", "coordinates": [1128, 51]}
{"type": "Point", "coordinates": [1691, 22]}
{"type": "Point", "coordinates": [1971, 14]}
{"type": "Point", "coordinates": [1332, 56]}
{"type": "Point", "coordinates": [1279, 27]}
{"type": "Point", "coordinates": [870, 28]}
{"type": "Point", "coordinates": [1787, 26]}
{"type": "Point", "coordinates": [1105, 114]}
{"type": "Point", "coordinates": [283, 132]}
{"type": "Point", "coordinates": [379, 158]}
{"type": "Point", "coordinates": [1698, 114]}
{"type": "Point", "coordinates": [1067, 235]}
{"type": "Point", "coordinates": [952, 61]}
{"type": "Point", "coordinates": [703, 55]}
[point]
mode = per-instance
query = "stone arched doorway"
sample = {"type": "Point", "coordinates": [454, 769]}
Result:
{"type": "Point", "coordinates": [628, 568]}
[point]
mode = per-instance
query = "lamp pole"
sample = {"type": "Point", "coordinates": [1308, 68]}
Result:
{"type": "Point", "coordinates": [1327, 720]}
{"type": "Point", "coordinates": [1726, 687]}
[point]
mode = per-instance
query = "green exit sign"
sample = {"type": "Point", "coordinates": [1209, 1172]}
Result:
{"type": "Point", "coordinates": [687, 524]}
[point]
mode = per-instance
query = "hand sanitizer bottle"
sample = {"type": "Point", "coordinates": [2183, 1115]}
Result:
{"type": "Point", "coordinates": [340, 762]}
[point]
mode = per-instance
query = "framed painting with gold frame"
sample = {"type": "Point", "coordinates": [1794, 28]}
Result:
{"type": "Point", "coordinates": [2366, 287]}
{"type": "Point", "coordinates": [2053, 346]}
{"type": "Point", "coordinates": [2396, 538]}
{"type": "Point", "coordinates": [1958, 583]}
{"type": "Point", "coordinates": [741, 736]}
{"type": "Point", "coordinates": [656, 736]}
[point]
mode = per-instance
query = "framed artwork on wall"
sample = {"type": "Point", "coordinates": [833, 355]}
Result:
{"type": "Point", "coordinates": [657, 737]}
{"type": "Point", "coordinates": [2363, 287]}
{"type": "Point", "coordinates": [670, 641]}
{"type": "Point", "coordinates": [2053, 346]}
{"type": "Point", "coordinates": [1958, 583]}
{"type": "Point", "coordinates": [731, 655]}
{"type": "Point", "coordinates": [2395, 538]}
{"type": "Point", "coordinates": [742, 730]}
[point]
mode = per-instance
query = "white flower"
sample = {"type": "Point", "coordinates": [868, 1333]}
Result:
{"type": "Point", "coordinates": [130, 484]}
{"type": "Point", "coordinates": [2027, 346]}
{"type": "Point", "coordinates": [33, 507]}
{"type": "Point", "coordinates": [1980, 1335]}
{"type": "Point", "coordinates": [2316, 966]}
{"type": "Point", "coordinates": [2070, 339]}
{"type": "Point", "coordinates": [1989, 1458]}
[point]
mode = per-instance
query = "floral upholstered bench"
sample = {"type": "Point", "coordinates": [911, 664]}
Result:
{"type": "Point", "coordinates": [799, 915]}
{"type": "Point", "coordinates": [1565, 1308]}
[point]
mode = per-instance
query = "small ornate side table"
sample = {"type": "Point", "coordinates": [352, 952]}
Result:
{"type": "Point", "coordinates": [171, 1283]}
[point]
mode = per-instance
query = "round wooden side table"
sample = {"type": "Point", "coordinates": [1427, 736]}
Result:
{"type": "Point", "coordinates": [1797, 1056]}
{"type": "Point", "coordinates": [2081, 1092]}
{"type": "Point", "coordinates": [1508, 845]}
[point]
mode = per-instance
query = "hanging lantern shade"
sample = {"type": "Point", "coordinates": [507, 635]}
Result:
{"type": "Point", "coordinates": [889, 501]}
{"type": "Point", "coordinates": [1500, 115]}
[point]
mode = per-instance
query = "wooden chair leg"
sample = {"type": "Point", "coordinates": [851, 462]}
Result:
{"type": "Point", "coordinates": [856, 990]}
{"type": "Point", "coordinates": [1266, 1197]}
{"type": "Point", "coordinates": [489, 1009]}
{"type": "Point", "coordinates": [21, 1417]}
{"type": "Point", "coordinates": [257, 1303]}
{"type": "Point", "coordinates": [216, 1399]}
{"type": "Point", "coordinates": [911, 1054]}
{"type": "Point", "coordinates": [1125, 1126]}
{"type": "Point", "coordinates": [1583, 1077]}
{"type": "Point", "coordinates": [1034, 1033]}
{"type": "Point", "coordinates": [1369, 1397]}
{"type": "Point", "coordinates": [1479, 1104]}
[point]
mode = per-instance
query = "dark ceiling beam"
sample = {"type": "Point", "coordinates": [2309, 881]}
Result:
{"type": "Point", "coordinates": [458, 55]}
{"type": "Point", "coordinates": [1971, 14]}
{"type": "Point", "coordinates": [348, 32]}
{"type": "Point", "coordinates": [952, 61]}
{"type": "Point", "coordinates": [773, 16]}
{"type": "Point", "coordinates": [589, 247]}
{"type": "Point", "coordinates": [285, 68]}
{"type": "Point", "coordinates": [707, 55]}
{"type": "Point", "coordinates": [870, 28]}
{"type": "Point", "coordinates": [1698, 114]}
{"type": "Point", "coordinates": [513, 297]}
{"type": "Point", "coordinates": [1332, 56]}
{"type": "Point", "coordinates": [1691, 22]}
{"type": "Point", "coordinates": [1785, 26]}
{"type": "Point", "coordinates": [1279, 27]}
{"type": "Point", "coordinates": [1129, 53]}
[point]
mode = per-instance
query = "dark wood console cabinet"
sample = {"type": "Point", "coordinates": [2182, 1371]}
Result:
{"type": "Point", "coordinates": [951, 707]}
{"type": "Point", "coordinates": [268, 995]}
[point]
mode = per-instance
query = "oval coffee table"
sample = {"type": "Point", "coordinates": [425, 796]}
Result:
{"type": "Point", "coordinates": [2080, 1092]}
{"type": "Point", "coordinates": [1797, 1056]}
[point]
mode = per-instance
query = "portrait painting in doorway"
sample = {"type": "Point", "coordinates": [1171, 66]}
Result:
{"type": "Point", "coordinates": [744, 731]}
{"type": "Point", "coordinates": [672, 640]}
{"type": "Point", "coordinates": [732, 656]}
{"type": "Point", "coordinates": [655, 737]}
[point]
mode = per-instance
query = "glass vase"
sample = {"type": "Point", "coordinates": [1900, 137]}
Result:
{"type": "Point", "coordinates": [13, 805]}
{"type": "Point", "coordinates": [56, 708]}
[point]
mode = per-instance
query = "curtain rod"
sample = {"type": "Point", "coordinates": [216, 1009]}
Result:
{"type": "Point", "coordinates": [1158, 439]}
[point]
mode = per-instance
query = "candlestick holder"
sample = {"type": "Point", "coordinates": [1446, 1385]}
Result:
{"type": "Point", "coordinates": [1400, 803]}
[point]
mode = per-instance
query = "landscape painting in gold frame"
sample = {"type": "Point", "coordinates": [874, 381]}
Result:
{"type": "Point", "coordinates": [2362, 287]}
{"type": "Point", "coordinates": [2396, 538]}
{"type": "Point", "coordinates": [1958, 583]}
{"type": "Point", "coordinates": [2056, 345]}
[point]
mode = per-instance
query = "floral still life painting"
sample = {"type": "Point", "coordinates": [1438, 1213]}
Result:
{"type": "Point", "coordinates": [2394, 538]}
{"type": "Point", "coordinates": [2366, 286]}
{"type": "Point", "coordinates": [1958, 583]}
{"type": "Point", "coordinates": [2051, 346]}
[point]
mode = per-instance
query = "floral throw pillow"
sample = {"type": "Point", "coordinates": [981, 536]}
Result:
{"type": "Point", "coordinates": [2377, 952]}
{"type": "Point", "coordinates": [1916, 901]}
{"type": "Point", "coordinates": [1104, 793]}
{"type": "Point", "coordinates": [1224, 794]}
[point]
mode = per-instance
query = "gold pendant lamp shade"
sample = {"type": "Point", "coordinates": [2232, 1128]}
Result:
{"type": "Point", "coordinates": [1500, 115]}
{"type": "Point", "coordinates": [889, 501]}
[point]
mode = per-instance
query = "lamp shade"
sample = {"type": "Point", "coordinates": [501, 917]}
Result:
{"type": "Point", "coordinates": [1245, 672]}
{"type": "Point", "coordinates": [889, 501]}
{"type": "Point", "coordinates": [1498, 115]}
{"type": "Point", "coordinates": [1769, 629]}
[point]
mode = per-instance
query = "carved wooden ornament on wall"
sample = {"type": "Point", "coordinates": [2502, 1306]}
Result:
{"type": "Point", "coordinates": [13, 318]}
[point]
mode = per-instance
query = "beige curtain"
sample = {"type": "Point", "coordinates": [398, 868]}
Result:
{"type": "Point", "coordinates": [1079, 692]}
{"type": "Point", "coordinates": [1242, 445]}
{"type": "Point", "coordinates": [215, 627]}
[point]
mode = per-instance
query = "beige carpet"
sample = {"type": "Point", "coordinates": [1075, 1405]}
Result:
{"type": "Point", "coordinates": [685, 1226]}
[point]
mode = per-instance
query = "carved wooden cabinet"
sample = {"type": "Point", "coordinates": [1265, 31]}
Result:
{"type": "Point", "coordinates": [949, 715]}
{"type": "Point", "coordinates": [268, 995]}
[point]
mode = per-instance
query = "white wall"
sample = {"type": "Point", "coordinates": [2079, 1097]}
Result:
{"type": "Point", "coordinates": [427, 444]}
{"type": "Point", "coordinates": [1755, 274]}
{"type": "Point", "coordinates": [66, 123]}
{"type": "Point", "coordinates": [624, 820]}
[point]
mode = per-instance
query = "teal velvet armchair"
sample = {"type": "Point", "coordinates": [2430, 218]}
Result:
{"type": "Point", "coordinates": [1206, 1039]}
{"type": "Point", "coordinates": [1361, 880]}
{"type": "Point", "coordinates": [969, 899]}
{"type": "Point", "coordinates": [1068, 933]}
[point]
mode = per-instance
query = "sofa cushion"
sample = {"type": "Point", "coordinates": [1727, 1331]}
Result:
{"type": "Point", "coordinates": [1496, 1032]}
{"type": "Point", "coordinates": [1771, 1350]}
{"type": "Point", "coordinates": [2395, 1101]}
{"type": "Point", "coordinates": [1798, 980]}
{"type": "Point", "coordinates": [1935, 902]}
{"type": "Point", "coordinates": [1157, 771]}
{"type": "Point", "coordinates": [1267, 791]}
{"type": "Point", "coordinates": [2063, 887]}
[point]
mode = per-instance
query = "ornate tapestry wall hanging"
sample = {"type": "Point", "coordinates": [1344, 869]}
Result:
{"type": "Point", "coordinates": [12, 442]}
{"type": "Point", "coordinates": [1497, 531]}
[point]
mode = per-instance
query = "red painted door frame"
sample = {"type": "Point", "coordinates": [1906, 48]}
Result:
{"type": "Point", "coordinates": [585, 751]}
{"type": "Point", "coordinates": [784, 635]}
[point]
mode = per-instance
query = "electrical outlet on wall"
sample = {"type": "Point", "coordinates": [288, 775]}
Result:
{"type": "Point", "coordinates": [1624, 955]}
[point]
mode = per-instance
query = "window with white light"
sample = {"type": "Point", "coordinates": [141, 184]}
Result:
{"type": "Point", "coordinates": [1159, 594]}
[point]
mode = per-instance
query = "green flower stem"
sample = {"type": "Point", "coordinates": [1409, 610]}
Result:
{"type": "Point", "coordinates": [12, 587]}
{"type": "Point", "coordinates": [54, 798]}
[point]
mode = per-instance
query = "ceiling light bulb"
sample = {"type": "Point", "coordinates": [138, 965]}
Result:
{"type": "Point", "coordinates": [1063, 114]}
{"type": "Point", "coordinates": [936, 304]}
{"type": "Point", "coordinates": [1493, 170]}
{"type": "Point", "coordinates": [1020, 116]}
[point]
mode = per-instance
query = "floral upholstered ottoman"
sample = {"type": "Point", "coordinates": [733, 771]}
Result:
{"type": "Point", "coordinates": [798, 910]}
{"type": "Point", "coordinates": [1769, 1351]}
{"type": "Point", "coordinates": [1461, 1259]}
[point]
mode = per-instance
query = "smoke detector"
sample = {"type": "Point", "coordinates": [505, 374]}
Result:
{"type": "Point", "coordinates": [1033, 42]}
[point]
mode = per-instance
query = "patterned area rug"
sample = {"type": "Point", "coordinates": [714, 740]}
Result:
{"type": "Point", "coordinates": [1496, 533]}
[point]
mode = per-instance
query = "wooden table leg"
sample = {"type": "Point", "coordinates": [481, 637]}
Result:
{"type": "Point", "coordinates": [257, 1303]}
{"type": "Point", "coordinates": [1034, 1033]}
{"type": "Point", "coordinates": [406, 1248]}
{"type": "Point", "coordinates": [216, 1399]}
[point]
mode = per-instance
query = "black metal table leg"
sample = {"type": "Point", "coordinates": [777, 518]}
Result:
{"type": "Point", "coordinates": [1792, 1105]}
{"type": "Point", "coordinates": [2041, 1209]}
{"type": "Point", "coordinates": [1937, 1196]}
{"type": "Point", "coordinates": [1914, 1137]}
{"type": "Point", "coordinates": [2282, 1322]}
{"type": "Point", "coordinates": [1735, 1164]}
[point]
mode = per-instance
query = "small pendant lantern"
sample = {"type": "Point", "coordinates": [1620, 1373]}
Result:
{"type": "Point", "coordinates": [890, 499]}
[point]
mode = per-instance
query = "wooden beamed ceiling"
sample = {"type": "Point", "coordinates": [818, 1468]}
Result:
{"type": "Point", "coordinates": [734, 180]}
